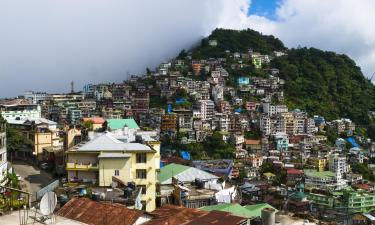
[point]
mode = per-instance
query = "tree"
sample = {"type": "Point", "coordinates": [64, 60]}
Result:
{"type": "Point", "coordinates": [89, 125]}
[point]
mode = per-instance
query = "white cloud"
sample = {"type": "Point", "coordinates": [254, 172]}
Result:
{"type": "Point", "coordinates": [344, 26]}
{"type": "Point", "coordinates": [45, 44]}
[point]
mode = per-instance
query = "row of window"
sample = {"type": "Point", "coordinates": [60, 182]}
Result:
{"type": "Point", "coordinates": [140, 173]}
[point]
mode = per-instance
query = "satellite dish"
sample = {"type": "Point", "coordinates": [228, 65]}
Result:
{"type": "Point", "coordinates": [48, 203]}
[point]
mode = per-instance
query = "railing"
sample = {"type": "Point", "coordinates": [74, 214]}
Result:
{"type": "Point", "coordinates": [82, 166]}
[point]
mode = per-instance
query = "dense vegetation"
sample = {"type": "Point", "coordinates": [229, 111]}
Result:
{"type": "Point", "coordinates": [328, 84]}
{"type": "Point", "coordinates": [236, 41]}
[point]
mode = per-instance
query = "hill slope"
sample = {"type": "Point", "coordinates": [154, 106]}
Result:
{"type": "Point", "coordinates": [318, 82]}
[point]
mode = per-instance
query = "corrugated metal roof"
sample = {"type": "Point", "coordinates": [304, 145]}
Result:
{"type": "Point", "coordinates": [174, 215]}
{"type": "Point", "coordinates": [183, 174]}
{"type": "Point", "coordinates": [235, 209]}
{"type": "Point", "coordinates": [107, 142]}
{"type": "Point", "coordinates": [218, 218]}
{"type": "Point", "coordinates": [95, 213]}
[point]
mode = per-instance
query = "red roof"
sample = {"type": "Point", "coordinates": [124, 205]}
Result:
{"type": "Point", "coordinates": [363, 186]}
{"type": "Point", "coordinates": [94, 213]}
{"type": "Point", "coordinates": [294, 172]}
{"type": "Point", "coordinates": [252, 142]}
{"type": "Point", "coordinates": [95, 120]}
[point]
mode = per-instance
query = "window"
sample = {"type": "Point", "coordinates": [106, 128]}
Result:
{"type": "Point", "coordinates": [141, 157]}
{"type": "Point", "coordinates": [117, 173]}
{"type": "Point", "coordinates": [141, 174]}
{"type": "Point", "coordinates": [144, 188]}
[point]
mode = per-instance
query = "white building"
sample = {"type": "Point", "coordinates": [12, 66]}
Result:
{"type": "Point", "coordinates": [20, 109]}
{"type": "Point", "coordinates": [337, 164]}
{"type": "Point", "coordinates": [35, 97]}
{"type": "Point", "coordinates": [206, 108]}
{"type": "Point", "coordinates": [271, 110]}
{"type": "Point", "coordinates": [217, 93]}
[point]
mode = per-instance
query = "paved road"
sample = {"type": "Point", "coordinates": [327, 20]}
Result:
{"type": "Point", "coordinates": [33, 177]}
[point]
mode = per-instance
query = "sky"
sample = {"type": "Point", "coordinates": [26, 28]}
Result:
{"type": "Point", "coordinates": [46, 44]}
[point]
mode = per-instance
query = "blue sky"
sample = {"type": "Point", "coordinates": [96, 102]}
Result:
{"type": "Point", "coordinates": [264, 8]}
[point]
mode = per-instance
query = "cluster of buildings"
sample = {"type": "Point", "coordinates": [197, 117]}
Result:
{"type": "Point", "coordinates": [112, 135]}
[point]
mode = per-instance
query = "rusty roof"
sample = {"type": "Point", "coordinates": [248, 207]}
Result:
{"type": "Point", "coordinates": [218, 218]}
{"type": "Point", "coordinates": [174, 215]}
{"type": "Point", "coordinates": [94, 213]}
{"type": "Point", "coordinates": [252, 142]}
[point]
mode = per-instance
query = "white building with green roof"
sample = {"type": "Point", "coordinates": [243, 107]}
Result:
{"type": "Point", "coordinates": [324, 180]}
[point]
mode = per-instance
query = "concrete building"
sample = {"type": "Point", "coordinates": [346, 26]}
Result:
{"type": "Point", "coordinates": [337, 164]}
{"type": "Point", "coordinates": [35, 97]}
{"type": "Point", "coordinates": [206, 108]}
{"type": "Point", "coordinates": [19, 108]}
{"type": "Point", "coordinates": [109, 158]}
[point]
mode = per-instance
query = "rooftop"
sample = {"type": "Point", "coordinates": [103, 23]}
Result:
{"type": "Point", "coordinates": [94, 213]}
{"type": "Point", "coordinates": [182, 173]}
{"type": "Point", "coordinates": [115, 124]}
{"type": "Point", "coordinates": [323, 174]}
{"type": "Point", "coordinates": [107, 142]}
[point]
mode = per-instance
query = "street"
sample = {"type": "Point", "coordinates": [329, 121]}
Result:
{"type": "Point", "coordinates": [32, 178]}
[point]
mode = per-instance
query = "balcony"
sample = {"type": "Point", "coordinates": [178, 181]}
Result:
{"type": "Point", "coordinates": [81, 166]}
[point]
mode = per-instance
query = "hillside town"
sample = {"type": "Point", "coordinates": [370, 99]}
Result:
{"type": "Point", "coordinates": [193, 141]}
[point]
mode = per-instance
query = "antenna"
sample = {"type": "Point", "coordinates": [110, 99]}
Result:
{"type": "Point", "coordinates": [372, 76]}
{"type": "Point", "coordinates": [48, 203]}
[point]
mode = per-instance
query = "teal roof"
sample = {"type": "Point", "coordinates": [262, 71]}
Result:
{"type": "Point", "coordinates": [235, 209]}
{"type": "Point", "coordinates": [115, 124]}
{"type": "Point", "coordinates": [256, 210]}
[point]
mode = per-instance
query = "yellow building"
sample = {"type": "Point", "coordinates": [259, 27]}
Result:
{"type": "Point", "coordinates": [108, 158]}
{"type": "Point", "coordinates": [41, 133]}
{"type": "Point", "coordinates": [321, 164]}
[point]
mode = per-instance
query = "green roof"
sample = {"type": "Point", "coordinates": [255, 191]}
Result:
{"type": "Point", "coordinates": [256, 210]}
{"type": "Point", "coordinates": [269, 174]}
{"type": "Point", "coordinates": [116, 124]}
{"type": "Point", "coordinates": [314, 173]}
{"type": "Point", "coordinates": [171, 170]}
{"type": "Point", "coordinates": [235, 209]}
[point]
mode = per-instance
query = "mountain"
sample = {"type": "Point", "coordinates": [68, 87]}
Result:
{"type": "Point", "coordinates": [319, 82]}
{"type": "Point", "coordinates": [237, 41]}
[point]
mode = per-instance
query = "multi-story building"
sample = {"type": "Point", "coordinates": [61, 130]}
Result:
{"type": "Point", "coordinates": [19, 108]}
{"type": "Point", "coordinates": [3, 153]}
{"type": "Point", "coordinates": [337, 164]}
{"type": "Point", "coordinates": [169, 122]}
{"type": "Point", "coordinates": [35, 97]}
{"type": "Point", "coordinates": [184, 118]}
{"type": "Point", "coordinates": [206, 108]}
{"type": "Point", "coordinates": [108, 158]}
{"type": "Point", "coordinates": [40, 132]}
{"type": "Point", "coordinates": [140, 101]}
{"type": "Point", "coordinates": [271, 110]}
{"type": "Point", "coordinates": [324, 180]}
